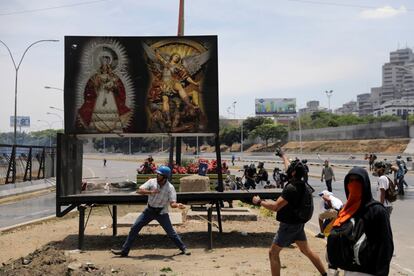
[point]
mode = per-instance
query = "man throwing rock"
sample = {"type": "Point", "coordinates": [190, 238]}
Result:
{"type": "Point", "coordinates": [161, 193]}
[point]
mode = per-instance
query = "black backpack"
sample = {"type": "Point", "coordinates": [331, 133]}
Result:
{"type": "Point", "coordinates": [392, 192]}
{"type": "Point", "coordinates": [304, 209]}
{"type": "Point", "coordinates": [348, 247]}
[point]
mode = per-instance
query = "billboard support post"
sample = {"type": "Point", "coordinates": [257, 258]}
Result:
{"type": "Point", "coordinates": [219, 169]}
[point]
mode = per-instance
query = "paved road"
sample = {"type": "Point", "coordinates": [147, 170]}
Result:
{"type": "Point", "coordinates": [27, 210]}
{"type": "Point", "coordinates": [402, 222]}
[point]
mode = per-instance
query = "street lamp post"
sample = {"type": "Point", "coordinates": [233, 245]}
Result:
{"type": "Point", "coordinates": [16, 68]}
{"type": "Point", "coordinates": [60, 117]}
{"type": "Point", "coordinates": [241, 136]}
{"type": "Point", "coordinates": [300, 133]}
{"type": "Point", "coordinates": [56, 108]}
{"type": "Point", "coordinates": [329, 95]}
{"type": "Point", "coordinates": [50, 127]}
{"type": "Point", "coordinates": [53, 88]}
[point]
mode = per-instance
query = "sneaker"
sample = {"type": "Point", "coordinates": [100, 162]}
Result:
{"type": "Point", "coordinates": [185, 252]}
{"type": "Point", "coordinates": [119, 253]}
{"type": "Point", "coordinates": [320, 235]}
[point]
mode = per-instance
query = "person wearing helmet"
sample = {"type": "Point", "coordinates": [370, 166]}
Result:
{"type": "Point", "coordinates": [161, 193]}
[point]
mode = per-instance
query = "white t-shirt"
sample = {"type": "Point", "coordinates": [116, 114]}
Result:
{"type": "Point", "coordinates": [166, 195]}
{"type": "Point", "coordinates": [335, 202]}
{"type": "Point", "coordinates": [383, 184]}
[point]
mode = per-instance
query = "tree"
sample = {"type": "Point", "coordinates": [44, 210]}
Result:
{"type": "Point", "coordinates": [270, 131]}
{"type": "Point", "coordinates": [229, 135]}
{"type": "Point", "coordinates": [252, 122]}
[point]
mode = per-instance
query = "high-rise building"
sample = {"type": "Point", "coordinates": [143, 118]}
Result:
{"type": "Point", "coordinates": [312, 106]}
{"type": "Point", "coordinates": [348, 108]}
{"type": "Point", "coordinates": [364, 104]}
{"type": "Point", "coordinates": [397, 82]}
{"type": "Point", "coordinates": [394, 75]}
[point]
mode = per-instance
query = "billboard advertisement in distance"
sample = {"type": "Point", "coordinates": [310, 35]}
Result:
{"type": "Point", "coordinates": [21, 121]}
{"type": "Point", "coordinates": [275, 106]}
{"type": "Point", "coordinates": [141, 85]}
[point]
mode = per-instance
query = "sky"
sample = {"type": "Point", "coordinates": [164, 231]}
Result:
{"type": "Point", "coordinates": [266, 48]}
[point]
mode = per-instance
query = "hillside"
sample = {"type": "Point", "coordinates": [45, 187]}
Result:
{"type": "Point", "coordinates": [350, 146]}
{"type": "Point", "coordinates": [339, 146]}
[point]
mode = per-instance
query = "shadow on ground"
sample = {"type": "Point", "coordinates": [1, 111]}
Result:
{"type": "Point", "coordinates": [150, 241]}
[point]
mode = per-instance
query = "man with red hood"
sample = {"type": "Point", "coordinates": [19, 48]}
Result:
{"type": "Point", "coordinates": [376, 223]}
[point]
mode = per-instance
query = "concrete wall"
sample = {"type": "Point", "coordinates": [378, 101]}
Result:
{"type": "Point", "coordinates": [368, 131]}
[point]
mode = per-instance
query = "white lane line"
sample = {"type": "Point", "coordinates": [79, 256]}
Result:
{"type": "Point", "coordinates": [401, 268]}
{"type": "Point", "coordinates": [91, 171]}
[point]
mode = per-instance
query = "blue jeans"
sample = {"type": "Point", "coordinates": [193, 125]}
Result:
{"type": "Point", "coordinates": [146, 217]}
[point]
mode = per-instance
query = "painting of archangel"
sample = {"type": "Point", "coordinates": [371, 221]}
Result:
{"type": "Point", "coordinates": [175, 94]}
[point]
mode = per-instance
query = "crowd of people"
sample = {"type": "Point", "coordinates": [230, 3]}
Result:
{"type": "Point", "coordinates": [359, 235]}
{"type": "Point", "coordinates": [358, 232]}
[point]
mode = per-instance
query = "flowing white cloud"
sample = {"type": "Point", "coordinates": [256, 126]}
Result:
{"type": "Point", "coordinates": [383, 12]}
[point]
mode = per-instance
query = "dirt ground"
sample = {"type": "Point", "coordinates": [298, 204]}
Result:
{"type": "Point", "coordinates": [350, 146]}
{"type": "Point", "coordinates": [49, 248]}
{"type": "Point", "coordinates": [338, 146]}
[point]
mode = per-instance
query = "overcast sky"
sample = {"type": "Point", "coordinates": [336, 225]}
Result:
{"type": "Point", "coordinates": [267, 48]}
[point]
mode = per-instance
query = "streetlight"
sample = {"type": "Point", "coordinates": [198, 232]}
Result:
{"type": "Point", "coordinates": [50, 127]}
{"type": "Point", "coordinates": [56, 108]}
{"type": "Point", "coordinates": [300, 132]}
{"type": "Point", "coordinates": [329, 95]}
{"type": "Point", "coordinates": [234, 109]}
{"type": "Point", "coordinates": [54, 88]}
{"type": "Point", "coordinates": [16, 68]}
{"type": "Point", "coordinates": [60, 117]}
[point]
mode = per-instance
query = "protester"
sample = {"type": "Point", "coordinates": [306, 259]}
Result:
{"type": "Point", "coordinates": [383, 185]}
{"type": "Point", "coordinates": [305, 164]}
{"type": "Point", "coordinates": [250, 175]}
{"type": "Point", "coordinates": [233, 158]}
{"type": "Point", "coordinates": [262, 176]}
{"type": "Point", "coordinates": [376, 225]}
{"type": "Point", "coordinates": [328, 175]}
{"type": "Point", "coordinates": [161, 193]}
{"type": "Point", "coordinates": [330, 206]}
{"type": "Point", "coordinates": [400, 174]}
{"type": "Point", "coordinates": [291, 228]}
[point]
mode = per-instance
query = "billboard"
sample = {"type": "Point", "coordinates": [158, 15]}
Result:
{"type": "Point", "coordinates": [21, 121]}
{"type": "Point", "coordinates": [275, 106]}
{"type": "Point", "coordinates": [141, 85]}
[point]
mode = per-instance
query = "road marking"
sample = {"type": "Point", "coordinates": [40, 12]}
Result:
{"type": "Point", "coordinates": [91, 171]}
{"type": "Point", "coordinates": [399, 267]}
{"type": "Point", "coordinates": [40, 212]}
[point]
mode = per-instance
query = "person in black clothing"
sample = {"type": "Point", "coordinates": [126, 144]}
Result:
{"type": "Point", "coordinates": [262, 176]}
{"type": "Point", "coordinates": [250, 175]}
{"type": "Point", "coordinates": [376, 224]}
{"type": "Point", "coordinates": [279, 177]}
{"type": "Point", "coordinates": [305, 165]}
{"type": "Point", "coordinates": [291, 229]}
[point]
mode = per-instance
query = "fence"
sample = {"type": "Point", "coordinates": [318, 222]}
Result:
{"type": "Point", "coordinates": [24, 163]}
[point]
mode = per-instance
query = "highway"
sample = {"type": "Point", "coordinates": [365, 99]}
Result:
{"type": "Point", "coordinates": [401, 219]}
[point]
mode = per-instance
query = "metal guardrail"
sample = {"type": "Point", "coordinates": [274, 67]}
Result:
{"type": "Point", "coordinates": [24, 163]}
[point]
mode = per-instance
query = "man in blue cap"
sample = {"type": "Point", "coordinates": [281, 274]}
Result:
{"type": "Point", "coordinates": [161, 193]}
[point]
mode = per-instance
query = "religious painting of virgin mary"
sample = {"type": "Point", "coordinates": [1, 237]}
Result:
{"type": "Point", "coordinates": [107, 98]}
